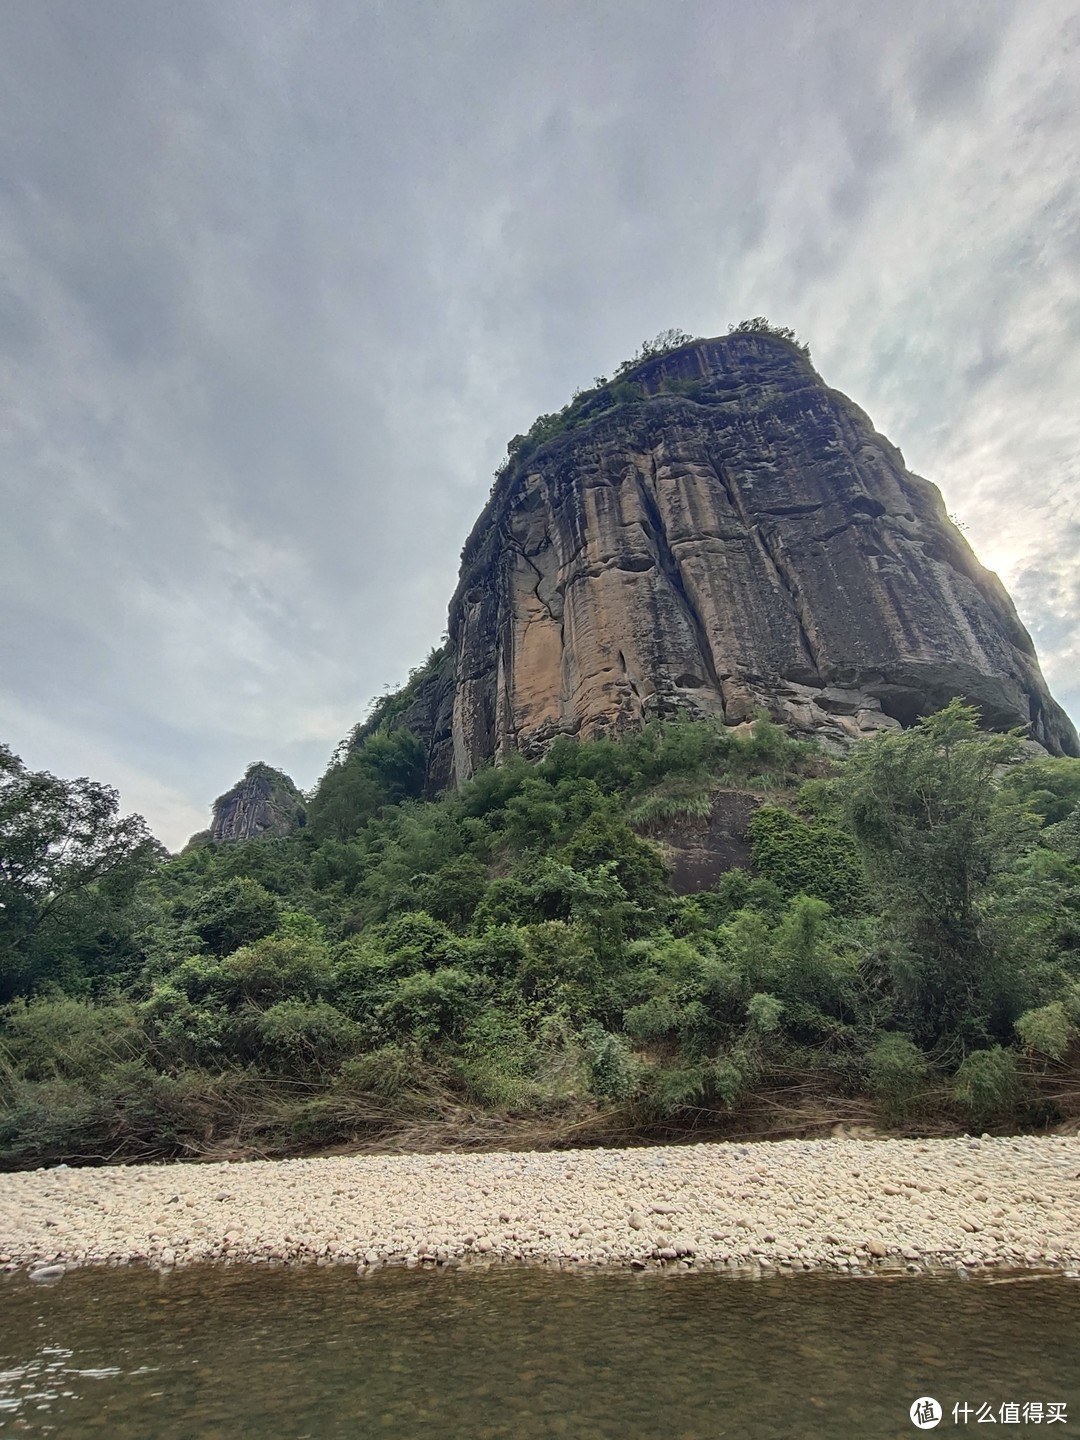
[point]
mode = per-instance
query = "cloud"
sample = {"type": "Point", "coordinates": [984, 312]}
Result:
{"type": "Point", "coordinates": [282, 278]}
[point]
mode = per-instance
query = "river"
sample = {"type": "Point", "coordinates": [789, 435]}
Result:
{"type": "Point", "coordinates": [517, 1352]}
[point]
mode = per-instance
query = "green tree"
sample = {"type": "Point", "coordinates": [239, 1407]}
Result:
{"type": "Point", "coordinates": [384, 768]}
{"type": "Point", "coordinates": [69, 863]}
{"type": "Point", "coordinates": [234, 913]}
{"type": "Point", "coordinates": [936, 832]}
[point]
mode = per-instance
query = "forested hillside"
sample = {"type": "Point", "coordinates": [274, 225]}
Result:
{"type": "Point", "coordinates": [510, 960]}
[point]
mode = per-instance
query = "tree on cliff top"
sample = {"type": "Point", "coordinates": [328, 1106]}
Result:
{"type": "Point", "coordinates": [662, 344]}
{"type": "Point", "coordinates": [760, 326]}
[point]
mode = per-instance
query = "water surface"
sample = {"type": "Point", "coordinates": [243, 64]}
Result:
{"type": "Point", "coordinates": [216, 1353]}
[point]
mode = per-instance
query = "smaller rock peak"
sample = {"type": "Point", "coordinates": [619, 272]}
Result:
{"type": "Point", "coordinates": [263, 805]}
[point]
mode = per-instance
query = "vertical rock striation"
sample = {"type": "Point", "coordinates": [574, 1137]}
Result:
{"type": "Point", "coordinates": [265, 803]}
{"type": "Point", "coordinates": [722, 533]}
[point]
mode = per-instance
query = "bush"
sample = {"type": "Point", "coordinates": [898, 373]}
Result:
{"type": "Point", "coordinates": [129, 1110]}
{"type": "Point", "coordinates": [453, 892]}
{"type": "Point", "coordinates": [760, 326]}
{"type": "Point", "coordinates": [1047, 1031]}
{"type": "Point", "coordinates": [417, 941]}
{"type": "Point", "coordinates": [817, 857]}
{"type": "Point", "coordinates": [234, 913]}
{"type": "Point", "coordinates": [665, 1091]}
{"type": "Point", "coordinates": [764, 1011]}
{"type": "Point", "coordinates": [270, 970]}
{"type": "Point", "coordinates": [298, 1035]}
{"type": "Point", "coordinates": [65, 1038]}
{"type": "Point", "coordinates": [676, 796]}
{"type": "Point", "coordinates": [556, 965]}
{"type": "Point", "coordinates": [610, 1067]}
{"type": "Point", "coordinates": [729, 1077]}
{"type": "Point", "coordinates": [806, 961]}
{"type": "Point", "coordinates": [425, 1006]}
{"type": "Point", "coordinates": [386, 1073]}
{"type": "Point", "coordinates": [182, 1033]}
{"type": "Point", "coordinates": [897, 1070]}
{"type": "Point", "coordinates": [987, 1085]}
{"type": "Point", "coordinates": [378, 768]}
{"type": "Point", "coordinates": [498, 1059]}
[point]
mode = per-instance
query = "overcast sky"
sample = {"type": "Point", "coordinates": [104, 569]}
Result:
{"type": "Point", "coordinates": [279, 279]}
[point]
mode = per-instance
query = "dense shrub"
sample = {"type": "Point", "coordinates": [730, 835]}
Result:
{"type": "Point", "coordinates": [816, 857]}
{"type": "Point", "coordinates": [302, 1035]}
{"type": "Point", "coordinates": [234, 913]}
{"type": "Point", "coordinates": [66, 1038]}
{"type": "Point", "coordinates": [612, 1072]}
{"type": "Point", "coordinates": [897, 1071]}
{"type": "Point", "coordinates": [1046, 1031]}
{"type": "Point", "coordinates": [516, 945]}
{"type": "Point", "coordinates": [987, 1085]}
{"type": "Point", "coordinates": [429, 1005]}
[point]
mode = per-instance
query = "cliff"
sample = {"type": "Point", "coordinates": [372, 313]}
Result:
{"type": "Point", "coordinates": [265, 803]}
{"type": "Point", "coordinates": [717, 533]}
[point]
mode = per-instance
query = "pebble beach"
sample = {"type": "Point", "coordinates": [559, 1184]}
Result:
{"type": "Point", "coordinates": [841, 1204]}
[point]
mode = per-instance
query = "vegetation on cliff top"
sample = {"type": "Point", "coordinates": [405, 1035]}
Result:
{"type": "Point", "coordinates": [605, 395]}
{"type": "Point", "coordinates": [908, 944]}
{"type": "Point", "coordinates": [276, 780]}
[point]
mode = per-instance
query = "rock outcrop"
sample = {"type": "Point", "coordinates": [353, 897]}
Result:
{"type": "Point", "coordinates": [265, 803]}
{"type": "Point", "coordinates": [720, 533]}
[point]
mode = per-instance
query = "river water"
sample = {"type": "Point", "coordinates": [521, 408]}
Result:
{"type": "Point", "coordinates": [522, 1353]}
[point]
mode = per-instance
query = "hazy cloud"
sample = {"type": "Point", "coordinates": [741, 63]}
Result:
{"type": "Point", "coordinates": [280, 280]}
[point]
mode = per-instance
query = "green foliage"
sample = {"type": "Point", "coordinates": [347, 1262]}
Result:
{"type": "Point", "coordinates": [987, 1085]}
{"type": "Point", "coordinates": [233, 913]}
{"type": "Point", "coordinates": [815, 857]}
{"type": "Point", "coordinates": [662, 344]}
{"type": "Point", "coordinates": [898, 1071]}
{"type": "Point", "coordinates": [426, 1006]}
{"type": "Point", "coordinates": [1046, 1031]}
{"type": "Point", "coordinates": [1050, 787]}
{"type": "Point", "coordinates": [937, 834]}
{"type": "Point", "coordinates": [65, 1038]}
{"type": "Point", "coordinates": [69, 867]}
{"type": "Point", "coordinates": [301, 1036]}
{"type": "Point", "coordinates": [764, 1012]}
{"type": "Point", "coordinates": [384, 768]}
{"type": "Point", "coordinates": [394, 703]}
{"type": "Point", "coordinates": [498, 1059]}
{"type": "Point", "coordinates": [611, 1069]}
{"type": "Point", "coordinates": [675, 796]}
{"type": "Point", "coordinates": [387, 1073]}
{"type": "Point", "coordinates": [515, 944]}
{"type": "Point", "coordinates": [760, 326]}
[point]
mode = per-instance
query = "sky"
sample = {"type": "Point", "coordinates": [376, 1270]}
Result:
{"type": "Point", "coordinates": [279, 279]}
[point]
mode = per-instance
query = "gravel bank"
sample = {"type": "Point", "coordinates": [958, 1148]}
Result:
{"type": "Point", "coordinates": [793, 1205]}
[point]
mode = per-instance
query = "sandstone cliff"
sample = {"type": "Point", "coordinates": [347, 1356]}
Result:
{"type": "Point", "coordinates": [265, 803]}
{"type": "Point", "coordinates": [720, 532]}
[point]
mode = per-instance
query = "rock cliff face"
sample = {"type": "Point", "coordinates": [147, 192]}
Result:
{"type": "Point", "coordinates": [717, 534]}
{"type": "Point", "coordinates": [263, 804]}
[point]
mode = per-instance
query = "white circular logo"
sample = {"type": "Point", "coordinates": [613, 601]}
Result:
{"type": "Point", "coordinates": [925, 1413]}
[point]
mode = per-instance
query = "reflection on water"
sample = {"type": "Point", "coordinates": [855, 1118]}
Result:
{"type": "Point", "coordinates": [521, 1353]}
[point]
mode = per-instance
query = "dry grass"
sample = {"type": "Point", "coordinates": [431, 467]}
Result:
{"type": "Point", "coordinates": [226, 1120]}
